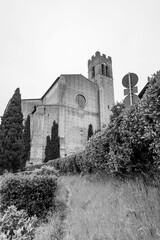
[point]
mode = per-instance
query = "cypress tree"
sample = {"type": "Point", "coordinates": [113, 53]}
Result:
{"type": "Point", "coordinates": [26, 142]}
{"type": "Point", "coordinates": [47, 149]}
{"type": "Point", "coordinates": [11, 135]}
{"type": "Point", "coordinates": [54, 146]}
{"type": "Point", "coordinates": [90, 131]}
{"type": "Point", "coordinates": [52, 150]}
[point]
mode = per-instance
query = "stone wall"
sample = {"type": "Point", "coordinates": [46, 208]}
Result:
{"type": "Point", "coordinates": [41, 124]}
{"type": "Point", "coordinates": [77, 120]}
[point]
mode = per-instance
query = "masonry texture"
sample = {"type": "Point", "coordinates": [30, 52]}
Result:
{"type": "Point", "coordinates": [74, 102]}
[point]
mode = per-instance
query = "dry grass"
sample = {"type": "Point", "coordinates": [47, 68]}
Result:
{"type": "Point", "coordinates": [53, 230]}
{"type": "Point", "coordinates": [111, 209]}
{"type": "Point", "coordinates": [55, 227]}
{"type": "Point", "coordinates": [104, 209]}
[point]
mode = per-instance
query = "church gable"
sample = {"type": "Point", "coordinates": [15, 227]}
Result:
{"type": "Point", "coordinates": [80, 93]}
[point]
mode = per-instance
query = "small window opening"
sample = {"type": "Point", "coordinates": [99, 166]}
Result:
{"type": "Point", "coordinates": [108, 107]}
{"type": "Point", "coordinates": [102, 69]}
{"type": "Point", "coordinates": [107, 73]}
{"type": "Point", "coordinates": [93, 71]}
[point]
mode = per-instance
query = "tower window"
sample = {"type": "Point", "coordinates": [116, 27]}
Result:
{"type": "Point", "coordinates": [107, 73]}
{"type": "Point", "coordinates": [93, 71]}
{"type": "Point", "coordinates": [102, 69]}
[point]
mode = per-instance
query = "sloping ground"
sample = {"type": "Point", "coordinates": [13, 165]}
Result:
{"type": "Point", "coordinates": [110, 209]}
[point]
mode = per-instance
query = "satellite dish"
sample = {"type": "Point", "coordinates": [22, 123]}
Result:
{"type": "Point", "coordinates": [133, 80]}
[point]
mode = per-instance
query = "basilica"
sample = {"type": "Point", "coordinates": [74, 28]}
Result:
{"type": "Point", "coordinates": [74, 102]}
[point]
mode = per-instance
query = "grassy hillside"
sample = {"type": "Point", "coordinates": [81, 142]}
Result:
{"type": "Point", "coordinates": [109, 209]}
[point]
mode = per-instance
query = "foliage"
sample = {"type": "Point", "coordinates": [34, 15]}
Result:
{"type": "Point", "coordinates": [70, 165]}
{"type": "Point", "coordinates": [11, 145]}
{"type": "Point", "coordinates": [26, 142]}
{"type": "Point", "coordinates": [44, 170]}
{"type": "Point", "coordinates": [33, 193]}
{"type": "Point", "coordinates": [134, 135]}
{"type": "Point", "coordinates": [17, 225]}
{"type": "Point", "coordinates": [90, 131]}
{"type": "Point", "coordinates": [47, 171]}
{"type": "Point", "coordinates": [116, 110]}
{"type": "Point", "coordinates": [52, 150]}
{"type": "Point", "coordinates": [32, 167]}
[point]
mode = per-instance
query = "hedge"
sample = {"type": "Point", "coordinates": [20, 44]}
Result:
{"type": "Point", "coordinates": [33, 193]}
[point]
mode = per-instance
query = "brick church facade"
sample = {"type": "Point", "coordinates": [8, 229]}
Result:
{"type": "Point", "coordinates": [74, 102]}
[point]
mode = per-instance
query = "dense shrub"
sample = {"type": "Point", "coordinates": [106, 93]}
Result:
{"type": "Point", "coordinates": [65, 165]}
{"type": "Point", "coordinates": [33, 193]}
{"type": "Point", "coordinates": [47, 171]}
{"type": "Point", "coordinates": [135, 135]}
{"type": "Point", "coordinates": [17, 225]}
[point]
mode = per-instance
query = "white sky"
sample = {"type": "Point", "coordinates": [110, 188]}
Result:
{"type": "Point", "coordinates": [41, 39]}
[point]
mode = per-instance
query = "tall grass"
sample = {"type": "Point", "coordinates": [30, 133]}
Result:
{"type": "Point", "coordinates": [112, 209]}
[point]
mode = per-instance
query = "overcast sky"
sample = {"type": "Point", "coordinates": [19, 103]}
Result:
{"type": "Point", "coordinates": [41, 39]}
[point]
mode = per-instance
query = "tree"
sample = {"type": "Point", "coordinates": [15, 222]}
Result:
{"type": "Point", "coordinates": [11, 135]}
{"type": "Point", "coordinates": [47, 149]}
{"type": "Point", "coordinates": [26, 142]}
{"type": "Point", "coordinates": [90, 131]}
{"type": "Point", "coordinates": [52, 150]}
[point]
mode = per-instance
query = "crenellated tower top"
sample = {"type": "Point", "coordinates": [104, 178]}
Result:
{"type": "Point", "coordinates": [99, 64]}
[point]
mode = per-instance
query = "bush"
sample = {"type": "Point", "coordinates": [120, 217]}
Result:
{"type": "Point", "coordinates": [43, 171]}
{"type": "Point", "coordinates": [32, 167]}
{"type": "Point", "coordinates": [46, 171]}
{"type": "Point", "coordinates": [16, 224]}
{"type": "Point", "coordinates": [134, 137]}
{"type": "Point", "coordinates": [34, 193]}
{"type": "Point", "coordinates": [70, 165]}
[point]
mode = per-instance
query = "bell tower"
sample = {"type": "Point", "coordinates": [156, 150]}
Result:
{"type": "Point", "coordinates": [100, 72]}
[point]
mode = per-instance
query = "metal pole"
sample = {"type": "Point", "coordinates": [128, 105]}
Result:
{"type": "Point", "coordinates": [130, 89]}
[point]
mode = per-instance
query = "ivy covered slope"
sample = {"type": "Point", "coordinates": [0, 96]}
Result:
{"type": "Point", "coordinates": [131, 143]}
{"type": "Point", "coordinates": [134, 136]}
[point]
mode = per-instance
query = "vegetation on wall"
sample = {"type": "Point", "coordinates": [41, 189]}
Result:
{"type": "Point", "coordinates": [52, 150]}
{"type": "Point", "coordinates": [11, 135]}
